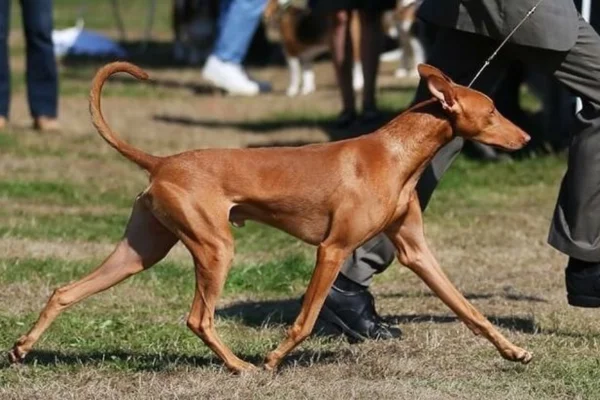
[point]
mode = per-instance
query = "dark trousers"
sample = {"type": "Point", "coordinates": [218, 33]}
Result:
{"type": "Point", "coordinates": [575, 228]}
{"type": "Point", "coordinates": [42, 79]}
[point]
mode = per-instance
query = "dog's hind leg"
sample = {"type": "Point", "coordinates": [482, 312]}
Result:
{"type": "Point", "coordinates": [213, 255]}
{"type": "Point", "coordinates": [146, 242]}
{"type": "Point", "coordinates": [407, 236]}
{"type": "Point", "coordinates": [206, 234]}
{"type": "Point", "coordinates": [295, 69]}
{"type": "Point", "coordinates": [308, 76]}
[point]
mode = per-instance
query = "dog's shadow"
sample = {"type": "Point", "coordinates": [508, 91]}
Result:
{"type": "Point", "coordinates": [283, 312]}
{"type": "Point", "coordinates": [258, 314]}
{"type": "Point", "coordinates": [162, 362]}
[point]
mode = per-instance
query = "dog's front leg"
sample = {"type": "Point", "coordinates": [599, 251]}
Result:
{"type": "Point", "coordinates": [295, 76]}
{"type": "Point", "coordinates": [407, 236]}
{"type": "Point", "coordinates": [329, 262]}
{"type": "Point", "coordinates": [308, 77]}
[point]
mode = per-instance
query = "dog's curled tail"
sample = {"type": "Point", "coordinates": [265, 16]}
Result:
{"type": "Point", "coordinates": [144, 160]}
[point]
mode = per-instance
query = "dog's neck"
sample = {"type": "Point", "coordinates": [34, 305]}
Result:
{"type": "Point", "coordinates": [417, 134]}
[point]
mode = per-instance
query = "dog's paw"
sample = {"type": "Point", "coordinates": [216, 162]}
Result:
{"type": "Point", "coordinates": [308, 89]}
{"type": "Point", "coordinates": [518, 355]}
{"type": "Point", "coordinates": [526, 357]}
{"type": "Point", "coordinates": [292, 91]}
{"type": "Point", "coordinates": [271, 361]}
{"type": "Point", "coordinates": [15, 356]}
{"type": "Point", "coordinates": [242, 368]}
{"type": "Point", "coordinates": [19, 351]}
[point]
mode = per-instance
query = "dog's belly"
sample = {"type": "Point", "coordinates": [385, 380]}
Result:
{"type": "Point", "coordinates": [308, 226]}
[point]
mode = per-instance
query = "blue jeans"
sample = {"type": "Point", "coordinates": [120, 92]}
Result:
{"type": "Point", "coordinates": [42, 77]}
{"type": "Point", "coordinates": [238, 20]}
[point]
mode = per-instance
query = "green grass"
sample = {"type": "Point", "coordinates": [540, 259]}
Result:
{"type": "Point", "coordinates": [7, 141]}
{"type": "Point", "coordinates": [110, 227]}
{"type": "Point", "coordinates": [126, 344]}
{"type": "Point", "coordinates": [111, 334]}
{"type": "Point", "coordinates": [283, 276]}
{"type": "Point", "coordinates": [81, 227]}
{"type": "Point", "coordinates": [62, 192]}
{"type": "Point", "coordinates": [466, 174]}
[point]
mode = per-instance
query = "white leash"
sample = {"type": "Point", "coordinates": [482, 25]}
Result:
{"type": "Point", "coordinates": [490, 58]}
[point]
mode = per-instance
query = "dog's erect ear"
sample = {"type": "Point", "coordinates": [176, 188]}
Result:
{"type": "Point", "coordinates": [426, 70]}
{"type": "Point", "coordinates": [440, 86]}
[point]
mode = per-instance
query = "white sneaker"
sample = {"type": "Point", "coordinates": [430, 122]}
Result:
{"type": "Point", "coordinates": [229, 77]}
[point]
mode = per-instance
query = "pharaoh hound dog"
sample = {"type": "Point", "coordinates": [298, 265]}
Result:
{"type": "Point", "coordinates": [335, 196]}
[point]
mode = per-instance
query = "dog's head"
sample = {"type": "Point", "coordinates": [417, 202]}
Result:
{"type": "Point", "coordinates": [473, 114]}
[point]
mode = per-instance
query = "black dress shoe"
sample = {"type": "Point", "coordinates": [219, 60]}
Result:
{"type": "Point", "coordinates": [354, 313]}
{"type": "Point", "coordinates": [583, 283]}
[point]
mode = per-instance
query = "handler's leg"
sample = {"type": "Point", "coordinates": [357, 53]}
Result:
{"type": "Point", "coordinates": [575, 228]}
{"type": "Point", "coordinates": [351, 305]}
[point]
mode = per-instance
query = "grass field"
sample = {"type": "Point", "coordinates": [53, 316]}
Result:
{"type": "Point", "coordinates": [65, 200]}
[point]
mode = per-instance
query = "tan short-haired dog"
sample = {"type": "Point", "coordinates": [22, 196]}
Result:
{"type": "Point", "coordinates": [335, 196]}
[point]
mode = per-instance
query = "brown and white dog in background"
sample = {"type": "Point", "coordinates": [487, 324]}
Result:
{"type": "Point", "coordinates": [398, 24]}
{"type": "Point", "coordinates": [304, 35]}
{"type": "Point", "coordinates": [194, 27]}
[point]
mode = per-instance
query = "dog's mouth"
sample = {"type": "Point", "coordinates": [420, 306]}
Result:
{"type": "Point", "coordinates": [519, 143]}
{"type": "Point", "coordinates": [509, 145]}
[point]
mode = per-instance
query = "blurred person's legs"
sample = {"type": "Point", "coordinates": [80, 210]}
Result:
{"type": "Point", "coordinates": [426, 33]}
{"type": "Point", "coordinates": [349, 304]}
{"type": "Point", "coordinates": [4, 64]}
{"type": "Point", "coordinates": [371, 41]}
{"type": "Point", "coordinates": [341, 54]}
{"type": "Point", "coordinates": [42, 75]}
{"type": "Point", "coordinates": [238, 21]}
{"type": "Point", "coordinates": [358, 80]}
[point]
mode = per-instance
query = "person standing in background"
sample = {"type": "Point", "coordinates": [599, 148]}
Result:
{"type": "Point", "coordinates": [42, 75]}
{"type": "Point", "coordinates": [371, 43]}
{"type": "Point", "coordinates": [238, 21]}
